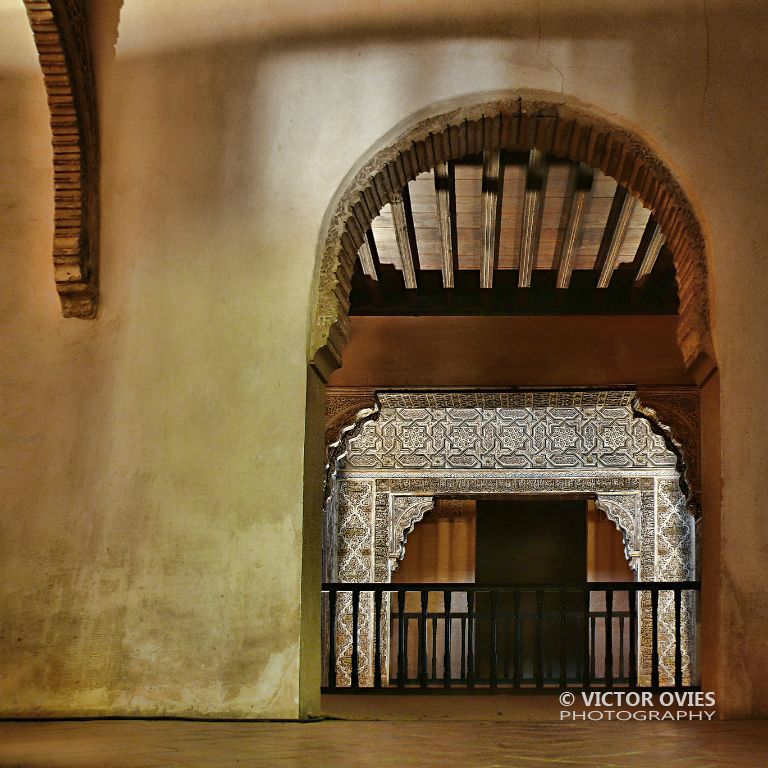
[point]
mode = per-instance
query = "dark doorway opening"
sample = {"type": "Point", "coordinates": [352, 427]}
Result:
{"type": "Point", "coordinates": [525, 542]}
{"type": "Point", "coordinates": [531, 541]}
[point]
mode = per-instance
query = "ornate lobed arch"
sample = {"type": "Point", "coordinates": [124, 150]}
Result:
{"type": "Point", "coordinates": [620, 507]}
{"type": "Point", "coordinates": [388, 467]}
{"type": "Point", "coordinates": [513, 122]}
{"type": "Point", "coordinates": [61, 37]}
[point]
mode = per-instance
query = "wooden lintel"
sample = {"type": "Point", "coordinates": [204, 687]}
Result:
{"type": "Point", "coordinates": [493, 174]}
{"type": "Point", "coordinates": [618, 221]}
{"type": "Point", "coordinates": [400, 214]}
{"type": "Point", "coordinates": [444, 191]}
{"type": "Point", "coordinates": [651, 253]}
{"type": "Point", "coordinates": [581, 186]}
{"type": "Point", "coordinates": [535, 185]}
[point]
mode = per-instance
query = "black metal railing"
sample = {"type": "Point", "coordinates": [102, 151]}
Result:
{"type": "Point", "coordinates": [400, 638]}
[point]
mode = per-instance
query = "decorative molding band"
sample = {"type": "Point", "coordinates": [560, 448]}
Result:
{"type": "Point", "coordinates": [61, 36]}
{"type": "Point", "coordinates": [532, 399]}
{"type": "Point", "coordinates": [514, 123]}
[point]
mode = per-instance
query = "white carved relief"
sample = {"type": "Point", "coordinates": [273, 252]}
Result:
{"type": "Point", "coordinates": [355, 526]}
{"type": "Point", "coordinates": [405, 512]}
{"type": "Point", "coordinates": [674, 533]}
{"type": "Point", "coordinates": [675, 562]}
{"type": "Point", "coordinates": [623, 509]}
{"type": "Point", "coordinates": [596, 437]}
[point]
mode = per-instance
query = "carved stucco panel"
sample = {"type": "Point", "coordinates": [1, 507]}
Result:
{"type": "Point", "coordinates": [593, 437]}
{"type": "Point", "coordinates": [675, 536]}
{"type": "Point", "coordinates": [355, 531]}
{"type": "Point", "coordinates": [623, 509]}
{"type": "Point", "coordinates": [405, 512]}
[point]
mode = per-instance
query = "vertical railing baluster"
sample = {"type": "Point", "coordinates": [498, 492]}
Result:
{"type": "Point", "coordinates": [621, 647]}
{"type": "Point", "coordinates": [632, 599]}
{"type": "Point", "coordinates": [539, 639]}
{"type": "Point", "coordinates": [678, 639]}
{"type": "Point", "coordinates": [447, 673]}
{"type": "Point", "coordinates": [609, 638]}
{"type": "Point", "coordinates": [586, 665]}
{"type": "Point", "coordinates": [355, 639]}
{"type": "Point", "coordinates": [655, 638]}
{"type": "Point", "coordinates": [332, 638]}
{"type": "Point", "coordinates": [423, 639]}
{"type": "Point", "coordinates": [494, 653]}
{"type": "Point", "coordinates": [434, 649]}
{"type": "Point", "coordinates": [405, 650]}
{"type": "Point", "coordinates": [402, 670]}
{"type": "Point", "coordinates": [377, 639]}
{"type": "Point", "coordinates": [507, 652]}
{"type": "Point", "coordinates": [548, 661]}
{"type": "Point", "coordinates": [518, 665]}
{"type": "Point", "coordinates": [563, 655]}
{"type": "Point", "coordinates": [470, 639]}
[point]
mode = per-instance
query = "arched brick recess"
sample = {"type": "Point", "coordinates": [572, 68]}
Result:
{"type": "Point", "coordinates": [61, 38]}
{"type": "Point", "coordinates": [513, 123]}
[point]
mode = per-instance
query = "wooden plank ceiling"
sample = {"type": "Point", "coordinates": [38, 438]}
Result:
{"type": "Point", "coordinates": [522, 223]}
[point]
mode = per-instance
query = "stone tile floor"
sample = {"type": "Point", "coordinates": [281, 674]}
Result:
{"type": "Point", "coordinates": [145, 744]}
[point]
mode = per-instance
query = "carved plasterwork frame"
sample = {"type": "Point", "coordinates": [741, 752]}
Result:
{"type": "Point", "coordinates": [411, 447]}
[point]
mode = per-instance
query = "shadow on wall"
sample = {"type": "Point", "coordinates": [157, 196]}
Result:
{"type": "Point", "coordinates": [558, 42]}
{"type": "Point", "coordinates": [337, 49]}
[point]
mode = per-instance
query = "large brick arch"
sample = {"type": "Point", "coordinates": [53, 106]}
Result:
{"type": "Point", "coordinates": [61, 37]}
{"type": "Point", "coordinates": [513, 122]}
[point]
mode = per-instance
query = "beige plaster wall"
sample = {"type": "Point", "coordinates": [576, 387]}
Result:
{"type": "Point", "coordinates": [151, 540]}
{"type": "Point", "coordinates": [153, 460]}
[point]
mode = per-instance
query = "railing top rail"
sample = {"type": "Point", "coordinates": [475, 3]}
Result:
{"type": "Point", "coordinates": [501, 612]}
{"type": "Point", "coordinates": [599, 586]}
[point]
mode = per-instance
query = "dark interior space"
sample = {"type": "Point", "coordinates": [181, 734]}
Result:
{"type": "Point", "coordinates": [531, 541]}
{"type": "Point", "coordinates": [524, 542]}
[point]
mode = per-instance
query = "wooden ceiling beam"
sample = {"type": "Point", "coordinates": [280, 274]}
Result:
{"type": "Point", "coordinates": [581, 186]}
{"type": "Point", "coordinates": [535, 187]}
{"type": "Point", "coordinates": [616, 230]}
{"type": "Point", "coordinates": [493, 175]}
{"type": "Point", "coordinates": [366, 260]}
{"type": "Point", "coordinates": [373, 286]}
{"type": "Point", "coordinates": [445, 192]}
{"type": "Point", "coordinates": [401, 214]}
{"type": "Point", "coordinates": [651, 254]}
